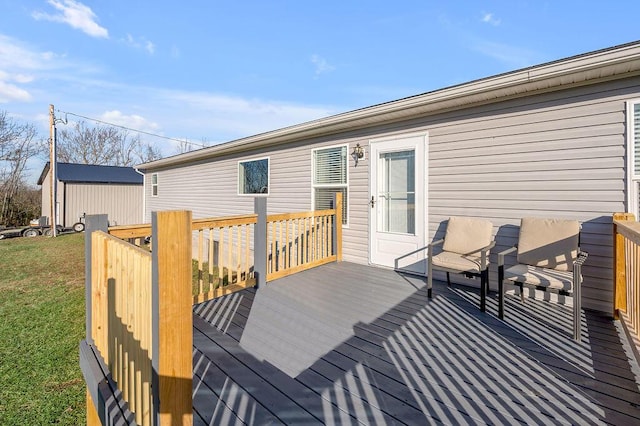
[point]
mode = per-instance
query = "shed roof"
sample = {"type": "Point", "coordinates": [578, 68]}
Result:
{"type": "Point", "coordinates": [90, 173]}
{"type": "Point", "coordinates": [588, 68]}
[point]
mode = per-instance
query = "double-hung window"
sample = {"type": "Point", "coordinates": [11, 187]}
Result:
{"type": "Point", "coordinates": [154, 185]}
{"type": "Point", "coordinates": [633, 144]}
{"type": "Point", "coordinates": [330, 176]}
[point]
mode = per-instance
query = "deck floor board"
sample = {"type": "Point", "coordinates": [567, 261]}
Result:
{"type": "Point", "coordinates": [352, 344]}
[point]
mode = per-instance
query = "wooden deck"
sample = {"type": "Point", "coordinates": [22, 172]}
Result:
{"type": "Point", "coordinates": [348, 344]}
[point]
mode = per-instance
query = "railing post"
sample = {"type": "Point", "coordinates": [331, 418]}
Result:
{"type": "Point", "coordinates": [92, 223]}
{"type": "Point", "coordinates": [337, 226]}
{"type": "Point", "coordinates": [172, 321]}
{"type": "Point", "coordinates": [619, 266]}
{"type": "Point", "coordinates": [98, 222]}
{"type": "Point", "coordinates": [260, 241]}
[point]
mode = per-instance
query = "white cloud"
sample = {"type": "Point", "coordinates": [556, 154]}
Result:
{"type": "Point", "coordinates": [488, 18]}
{"type": "Point", "coordinates": [76, 15]}
{"type": "Point", "coordinates": [42, 77]}
{"type": "Point", "coordinates": [18, 63]}
{"type": "Point", "coordinates": [513, 56]}
{"type": "Point", "coordinates": [322, 66]}
{"type": "Point", "coordinates": [151, 48]}
{"type": "Point", "coordinates": [140, 43]}
{"type": "Point", "coordinates": [192, 116]}
{"type": "Point", "coordinates": [23, 78]}
{"type": "Point", "coordinates": [12, 93]}
{"type": "Point", "coordinates": [219, 118]}
{"type": "Point", "coordinates": [133, 121]}
{"type": "Point", "coordinates": [175, 52]}
{"type": "Point", "coordinates": [16, 55]}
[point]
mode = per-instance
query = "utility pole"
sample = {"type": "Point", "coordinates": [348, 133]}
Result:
{"type": "Point", "coordinates": [53, 170]}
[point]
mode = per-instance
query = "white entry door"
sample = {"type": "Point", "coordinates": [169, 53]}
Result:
{"type": "Point", "coordinates": [398, 202]}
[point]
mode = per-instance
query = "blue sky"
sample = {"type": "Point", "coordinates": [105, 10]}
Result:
{"type": "Point", "coordinates": [215, 71]}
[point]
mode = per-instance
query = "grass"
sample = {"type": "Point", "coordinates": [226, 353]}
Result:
{"type": "Point", "coordinates": [41, 323]}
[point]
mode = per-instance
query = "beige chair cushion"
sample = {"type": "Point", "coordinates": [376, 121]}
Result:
{"type": "Point", "coordinates": [532, 275]}
{"type": "Point", "coordinates": [456, 262]}
{"type": "Point", "coordinates": [548, 243]}
{"type": "Point", "coordinates": [467, 235]}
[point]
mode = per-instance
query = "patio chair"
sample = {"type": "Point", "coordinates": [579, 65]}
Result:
{"type": "Point", "coordinates": [465, 250]}
{"type": "Point", "coordinates": [548, 258]}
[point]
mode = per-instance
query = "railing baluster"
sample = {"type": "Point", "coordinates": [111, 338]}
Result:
{"type": "Point", "coordinates": [287, 258]}
{"type": "Point", "coordinates": [210, 258]}
{"type": "Point", "coordinates": [200, 261]}
{"type": "Point", "coordinates": [246, 253]}
{"type": "Point", "coordinates": [298, 242]}
{"type": "Point", "coordinates": [274, 247]}
{"type": "Point", "coordinates": [633, 266]}
{"type": "Point", "coordinates": [326, 234]}
{"type": "Point", "coordinates": [239, 254]}
{"type": "Point", "coordinates": [221, 261]}
{"type": "Point", "coordinates": [230, 262]}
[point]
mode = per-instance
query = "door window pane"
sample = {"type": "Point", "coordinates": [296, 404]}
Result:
{"type": "Point", "coordinates": [397, 192]}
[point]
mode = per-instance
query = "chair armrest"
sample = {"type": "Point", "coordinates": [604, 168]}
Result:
{"type": "Point", "coordinates": [484, 255]}
{"type": "Point", "coordinates": [502, 254]}
{"type": "Point", "coordinates": [436, 243]}
{"type": "Point", "coordinates": [489, 247]}
{"type": "Point", "coordinates": [430, 247]}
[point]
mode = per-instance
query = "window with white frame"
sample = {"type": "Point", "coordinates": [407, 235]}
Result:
{"type": "Point", "coordinates": [154, 185]}
{"type": "Point", "coordinates": [253, 177]}
{"type": "Point", "coordinates": [330, 176]}
{"type": "Point", "coordinates": [633, 145]}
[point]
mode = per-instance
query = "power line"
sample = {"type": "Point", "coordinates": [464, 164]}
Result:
{"type": "Point", "coordinates": [132, 130]}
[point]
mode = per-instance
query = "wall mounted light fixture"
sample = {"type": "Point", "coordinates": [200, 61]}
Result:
{"type": "Point", "coordinates": [357, 154]}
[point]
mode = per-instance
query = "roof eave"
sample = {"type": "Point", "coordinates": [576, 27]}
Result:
{"type": "Point", "coordinates": [44, 173]}
{"type": "Point", "coordinates": [619, 62]}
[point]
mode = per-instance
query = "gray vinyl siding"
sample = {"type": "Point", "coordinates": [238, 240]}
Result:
{"type": "Point", "coordinates": [122, 203]}
{"type": "Point", "coordinates": [559, 154]}
{"type": "Point", "coordinates": [209, 189]}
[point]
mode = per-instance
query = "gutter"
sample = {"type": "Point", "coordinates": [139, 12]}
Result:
{"type": "Point", "coordinates": [144, 193]}
{"type": "Point", "coordinates": [612, 63]}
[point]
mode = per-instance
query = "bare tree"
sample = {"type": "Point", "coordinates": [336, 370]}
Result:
{"type": "Point", "coordinates": [18, 144]}
{"type": "Point", "coordinates": [186, 146]}
{"type": "Point", "coordinates": [102, 145]}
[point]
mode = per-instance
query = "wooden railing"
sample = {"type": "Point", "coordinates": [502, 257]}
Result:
{"type": "Point", "coordinates": [224, 259]}
{"type": "Point", "coordinates": [223, 249]}
{"type": "Point", "coordinates": [121, 312]}
{"type": "Point", "coordinates": [626, 236]}
{"type": "Point", "coordinates": [135, 234]}
{"type": "Point", "coordinates": [299, 241]}
{"type": "Point", "coordinates": [136, 358]}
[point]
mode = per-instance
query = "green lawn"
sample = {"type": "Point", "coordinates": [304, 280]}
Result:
{"type": "Point", "coordinates": [41, 323]}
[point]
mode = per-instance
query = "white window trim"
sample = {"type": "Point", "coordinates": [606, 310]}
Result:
{"type": "Point", "coordinates": [155, 185]}
{"type": "Point", "coordinates": [241, 194]}
{"type": "Point", "coordinates": [313, 186]}
{"type": "Point", "coordinates": [632, 181]}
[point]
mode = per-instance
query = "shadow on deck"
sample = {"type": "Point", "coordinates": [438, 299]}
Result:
{"type": "Point", "coordinates": [348, 344]}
